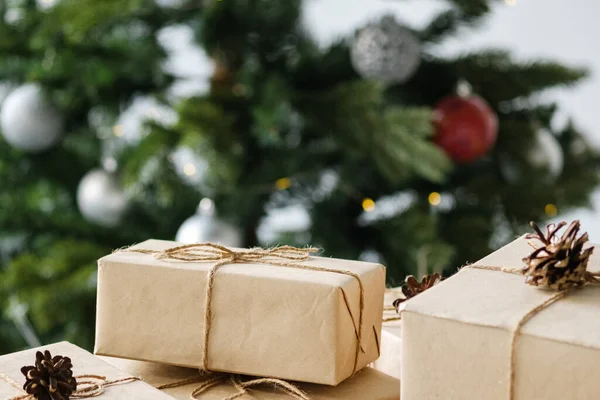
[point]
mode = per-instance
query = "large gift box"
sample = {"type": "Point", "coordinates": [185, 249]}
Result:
{"type": "Point", "coordinates": [109, 382]}
{"type": "Point", "coordinates": [457, 336]}
{"type": "Point", "coordinates": [273, 314]}
{"type": "Point", "coordinates": [391, 338]}
{"type": "Point", "coordinates": [367, 384]}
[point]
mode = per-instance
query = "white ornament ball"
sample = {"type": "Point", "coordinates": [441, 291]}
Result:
{"type": "Point", "coordinates": [205, 227]}
{"type": "Point", "coordinates": [545, 153]}
{"type": "Point", "coordinates": [386, 51]}
{"type": "Point", "coordinates": [100, 198]}
{"type": "Point", "coordinates": [28, 121]}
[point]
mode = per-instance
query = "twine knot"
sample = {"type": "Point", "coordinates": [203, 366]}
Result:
{"type": "Point", "coordinates": [205, 252]}
{"type": "Point", "coordinates": [95, 385]}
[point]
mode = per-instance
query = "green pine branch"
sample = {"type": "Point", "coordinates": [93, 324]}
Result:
{"type": "Point", "coordinates": [497, 77]}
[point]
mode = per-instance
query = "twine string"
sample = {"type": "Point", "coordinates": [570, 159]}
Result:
{"type": "Point", "coordinates": [87, 386]}
{"type": "Point", "coordinates": [590, 278]}
{"type": "Point", "coordinates": [242, 387]}
{"type": "Point", "coordinates": [282, 256]}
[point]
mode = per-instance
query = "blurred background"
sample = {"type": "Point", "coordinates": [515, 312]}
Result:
{"type": "Point", "coordinates": [421, 134]}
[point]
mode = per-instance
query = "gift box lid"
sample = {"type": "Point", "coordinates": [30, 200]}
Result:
{"type": "Point", "coordinates": [256, 269]}
{"type": "Point", "coordinates": [499, 300]}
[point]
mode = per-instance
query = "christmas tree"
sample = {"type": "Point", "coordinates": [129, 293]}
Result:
{"type": "Point", "coordinates": [397, 155]}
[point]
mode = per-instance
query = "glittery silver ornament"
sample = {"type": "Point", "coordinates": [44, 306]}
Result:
{"type": "Point", "coordinates": [205, 227]}
{"type": "Point", "coordinates": [386, 51]}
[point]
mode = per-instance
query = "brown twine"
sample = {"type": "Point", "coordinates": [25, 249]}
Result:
{"type": "Point", "coordinates": [87, 386]}
{"type": "Point", "coordinates": [216, 379]}
{"type": "Point", "coordinates": [221, 255]}
{"type": "Point", "coordinates": [525, 318]}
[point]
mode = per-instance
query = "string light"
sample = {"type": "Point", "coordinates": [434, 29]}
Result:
{"type": "Point", "coordinates": [551, 210]}
{"type": "Point", "coordinates": [368, 204]}
{"type": "Point", "coordinates": [118, 130]}
{"type": "Point", "coordinates": [283, 183]}
{"type": "Point", "coordinates": [510, 2]}
{"type": "Point", "coordinates": [434, 198]}
{"type": "Point", "coordinates": [189, 169]}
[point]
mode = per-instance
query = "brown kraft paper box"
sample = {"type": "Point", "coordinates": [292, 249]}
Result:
{"type": "Point", "coordinates": [83, 363]}
{"type": "Point", "coordinates": [391, 338]}
{"type": "Point", "coordinates": [456, 337]}
{"type": "Point", "coordinates": [367, 384]}
{"type": "Point", "coordinates": [267, 320]}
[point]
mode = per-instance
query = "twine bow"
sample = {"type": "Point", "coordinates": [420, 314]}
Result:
{"type": "Point", "coordinates": [282, 256]}
{"type": "Point", "coordinates": [216, 379]}
{"type": "Point", "coordinates": [87, 386]}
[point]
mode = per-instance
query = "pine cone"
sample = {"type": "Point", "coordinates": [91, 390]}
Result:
{"type": "Point", "coordinates": [51, 378]}
{"type": "Point", "coordinates": [412, 287]}
{"type": "Point", "coordinates": [560, 263]}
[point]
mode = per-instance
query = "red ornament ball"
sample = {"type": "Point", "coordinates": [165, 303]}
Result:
{"type": "Point", "coordinates": [466, 127]}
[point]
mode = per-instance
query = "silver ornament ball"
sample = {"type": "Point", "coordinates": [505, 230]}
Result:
{"type": "Point", "coordinates": [205, 227]}
{"type": "Point", "coordinates": [100, 198]}
{"type": "Point", "coordinates": [386, 51]}
{"type": "Point", "coordinates": [28, 121]}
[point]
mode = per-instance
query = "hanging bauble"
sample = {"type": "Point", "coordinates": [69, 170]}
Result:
{"type": "Point", "coordinates": [545, 154]}
{"type": "Point", "coordinates": [466, 127]}
{"type": "Point", "coordinates": [386, 51]}
{"type": "Point", "coordinates": [28, 121]}
{"type": "Point", "coordinates": [205, 227]}
{"type": "Point", "coordinates": [101, 199]}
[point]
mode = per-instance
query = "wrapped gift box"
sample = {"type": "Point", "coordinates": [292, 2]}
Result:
{"type": "Point", "coordinates": [391, 341]}
{"type": "Point", "coordinates": [282, 322]}
{"type": "Point", "coordinates": [83, 363]}
{"type": "Point", "coordinates": [367, 384]}
{"type": "Point", "coordinates": [456, 337]}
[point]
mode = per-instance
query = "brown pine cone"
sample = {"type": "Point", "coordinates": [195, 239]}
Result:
{"type": "Point", "coordinates": [560, 262]}
{"type": "Point", "coordinates": [412, 287]}
{"type": "Point", "coordinates": [51, 378]}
